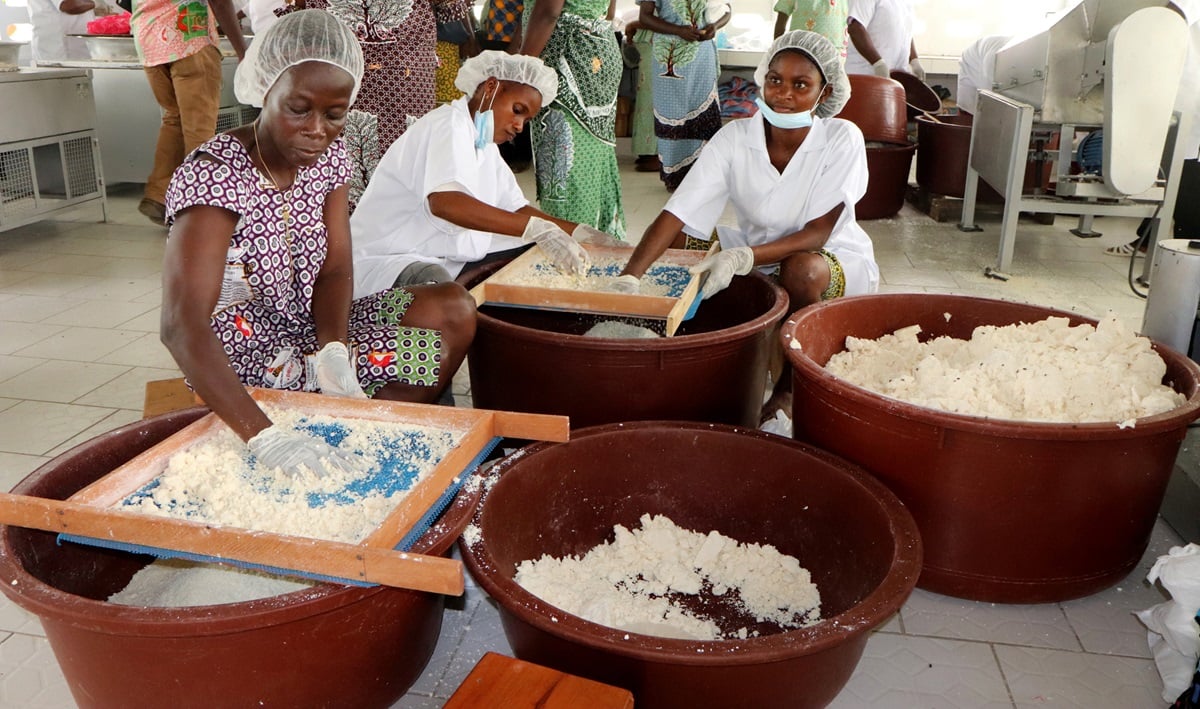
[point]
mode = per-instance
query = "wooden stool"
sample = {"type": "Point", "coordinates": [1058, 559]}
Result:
{"type": "Point", "coordinates": [165, 395]}
{"type": "Point", "coordinates": [501, 681]}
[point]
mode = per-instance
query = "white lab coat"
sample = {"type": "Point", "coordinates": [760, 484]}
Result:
{"type": "Point", "coordinates": [976, 69]}
{"type": "Point", "coordinates": [392, 226]}
{"type": "Point", "coordinates": [890, 24]}
{"type": "Point", "coordinates": [50, 29]}
{"type": "Point", "coordinates": [262, 14]}
{"type": "Point", "coordinates": [829, 168]}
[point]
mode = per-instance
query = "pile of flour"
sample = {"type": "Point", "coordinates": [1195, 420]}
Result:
{"type": "Point", "coordinates": [633, 583]}
{"type": "Point", "coordinates": [1042, 371]}
{"type": "Point", "coordinates": [659, 280]}
{"type": "Point", "coordinates": [618, 330]}
{"type": "Point", "coordinates": [217, 482]}
{"type": "Point", "coordinates": [176, 583]}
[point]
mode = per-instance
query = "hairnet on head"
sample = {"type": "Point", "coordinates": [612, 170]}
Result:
{"type": "Point", "coordinates": [822, 53]}
{"type": "Point", "coordinates": [301, 36]}
{"type": "Point", "coordinates": [507, 67]}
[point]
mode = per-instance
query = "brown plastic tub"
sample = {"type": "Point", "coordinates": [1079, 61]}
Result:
{"type": "Point", "coordinates": [919, 97]}
{"type": "Point", "coordinates": [1009, 511]}
{"type": "Point", "coordinates": [854, 536]}
{"type": "Point", "coordinates": [713, 369]}
{"type": "Point", "coordinates": [888, 167]}
{"type": "Point", "coordinates": [330, 645]}
{"type": "Point", "coordinates": [945, 146]}
{"type": "Point", "coordinates": [877, 107]}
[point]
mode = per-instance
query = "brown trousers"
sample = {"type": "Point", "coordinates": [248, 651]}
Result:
{"type": "Point", "coordinates": [189, 93]}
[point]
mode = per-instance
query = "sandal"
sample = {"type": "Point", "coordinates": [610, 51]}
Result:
{"type": "Point", "coordinates": [1125, 250]}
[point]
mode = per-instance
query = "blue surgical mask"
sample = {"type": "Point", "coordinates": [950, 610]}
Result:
{"type": "Point", "coordinates": [803, 119]}
{"type": "Point", "coordinates": [485, 125]}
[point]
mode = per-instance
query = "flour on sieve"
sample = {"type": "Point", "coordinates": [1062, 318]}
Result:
{"type": "Point", "coordinates": [218, 482]}
{"type": "Point", "coordinates": [640, 581]}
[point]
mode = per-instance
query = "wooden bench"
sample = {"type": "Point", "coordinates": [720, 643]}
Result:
{"type": "Point", "coordinates": [501, 681]}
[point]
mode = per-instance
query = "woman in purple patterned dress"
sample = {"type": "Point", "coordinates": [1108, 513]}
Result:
{"type": "Point", "coordinates": [257, 274]}
{"type": "Point", "coordinates": [399, 43]}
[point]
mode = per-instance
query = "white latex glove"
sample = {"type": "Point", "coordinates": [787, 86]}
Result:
{"type": "Point", "coordinates": [335, 373]}
{"type": "Point", "coordinates": [628, 283]}
{"type": "Point", "coordinates": [881, 69]}
{"type": "Point", "coordinates": [721, 267]}
{"type": "Point", "coordinates": [916, 69]}
{"type": "Point", "coordinates": [588, 234]}
{"type": "Point", "coordinates": [560, 248]}
{"type": "Point", "coordinates": [291, 450]}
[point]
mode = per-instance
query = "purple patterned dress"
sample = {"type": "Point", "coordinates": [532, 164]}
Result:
{"type": "Point", "coordinates": [263, 316]}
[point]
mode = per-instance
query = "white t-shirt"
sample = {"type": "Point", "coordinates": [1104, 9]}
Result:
{"type": "Point", "coordinates": [829, 168]}
{"type": "Point", "coordinates": [889, 22]}
{"type": "Point", "coordinates": [976, 69]}
{"type": "Point", "coordinates": [262, 14]}
{"type": "Point", "coordinates": [392, 226]}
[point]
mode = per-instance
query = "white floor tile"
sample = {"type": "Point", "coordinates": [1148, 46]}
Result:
{"type": "Point", "coordinates": [29, 675]}
{"type": "Point", "coordinates": [113, 421]}
{"type": "Point", "coordinates": [146, 350]}
{"type": "Point", "coordinates": [12, 365]}
{"type": "Point", "coordinates": [60, 380]}
{"type": "Point", "coordinates": [36, 427]}
{"type": "Point", "coordinates": [901, 672]}
{"type": "Point", "coordinates": [1043, 625]}
{"type": "Point", "coordinates": [35, 308]}
{"type": "Point", "coordinates": [19, 335]}
{"type": "Point", "coordinates": [1052, 678]}
{"type": "Point", "coordinates": [51, 285]}
{"type": "Point", "coordinates": [101, 313]}
{"type": "Point", "coordinates": [13, 469]}
{"type": "Point", "coordinates": [484, 634]}
{"type": "Point", "coordinates": [127, 391]}
{"type": "Point", "coordinates": [80, 344]}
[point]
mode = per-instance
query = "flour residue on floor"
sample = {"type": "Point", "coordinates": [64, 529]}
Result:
{"type": "Point", "coordinates": [217, 481]}
{"type": "Point", "coordinates": [648, 579]}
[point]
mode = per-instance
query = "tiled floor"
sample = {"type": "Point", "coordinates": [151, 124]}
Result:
{"type": "Point", "coordinates": [79, 305]}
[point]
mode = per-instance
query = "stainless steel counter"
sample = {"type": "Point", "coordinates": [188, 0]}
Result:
{"type": "Point", "coordinates": [128, 117]}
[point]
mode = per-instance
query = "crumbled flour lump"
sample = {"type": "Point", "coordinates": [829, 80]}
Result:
{"type": "Point", "coordinates": [661, 279]}
{"type": "Point", "coordinates": [217, 481]}
{"type": "Point", "coordinates": [1041, 371]}
{"type": "Point", "coordinates": [643, 582]}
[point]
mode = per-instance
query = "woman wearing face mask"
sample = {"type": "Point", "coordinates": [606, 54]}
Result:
{"type": "Point", "coordinates": [257, 272]}
{"type": "Point", "coordinates": [443, 197]}
{"type": "Point", "coordinates": [793, 174]}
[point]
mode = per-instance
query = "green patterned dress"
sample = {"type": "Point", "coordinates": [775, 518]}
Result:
{"type": "Point", "coordinates": [574, 141]}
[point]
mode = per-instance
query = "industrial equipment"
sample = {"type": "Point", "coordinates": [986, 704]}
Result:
{"type": "Point", "coordinates": [1110, 64]}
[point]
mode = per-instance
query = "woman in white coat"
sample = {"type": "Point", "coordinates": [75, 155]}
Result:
{"type": "Point", "coordinates": [442, 196]}
{"type": "Point", "coordinates": [792, 173]}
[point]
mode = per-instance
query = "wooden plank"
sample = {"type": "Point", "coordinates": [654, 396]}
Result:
{"type": "Point", "coordinates": [337, 559]}
{"type": "Point", "coordinates": [687, 299]}
{"type": "Point", "coordinates": [166, 395]}
{"type": "Point", "coordinates": [536, 427]}
{"type": "Point", "coordinates": [500, 681]}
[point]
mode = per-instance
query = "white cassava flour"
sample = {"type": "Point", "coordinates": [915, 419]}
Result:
{"type": "Point", "coordinates": [217, 481]}
{"type": "Point", "coordinates": [175, 583]}
{"type": "Point", "coordinates": [636, 582]}
{"type": "Point", "coordinates": [1042, 371]}
{"type": "Point", "coordinates": [661, 279]}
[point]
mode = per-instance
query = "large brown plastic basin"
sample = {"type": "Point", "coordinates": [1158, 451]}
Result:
{"type": "Point", "coordinates": [854, 536]}
{"type": "Point", "coordinates": [331, 645]}
{"type": "Point", "coordinates": [888, 167]}
{"type": "Point", "coordinates": [713, 369]}
{"type": "Point", "coordinates": [1009, 511]}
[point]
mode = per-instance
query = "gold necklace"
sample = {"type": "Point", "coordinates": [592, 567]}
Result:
{"type": "Point", "coordinates": [287, 208]}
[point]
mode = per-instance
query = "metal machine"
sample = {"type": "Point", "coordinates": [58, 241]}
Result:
{"type": "Point", "coordinates": [1110, 64]}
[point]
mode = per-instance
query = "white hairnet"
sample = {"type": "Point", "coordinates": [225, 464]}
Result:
{"type": "Point", "coordinates": [507, 67]}
{"type": "Point", "coordinates": [301, 36]}
{"type": "Point", "coordinates": [822, 53]}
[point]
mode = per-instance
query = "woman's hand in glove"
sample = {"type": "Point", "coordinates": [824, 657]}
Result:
{"type": "Point", "coordinates": [721, 267]}
{"type": "Point", "coordinates": [335, 373]}
{"type": "Point", "coordinates": [588, 234]}
{"type": "Point", "coordinates": [627, 283]}
{"type": "Point", "coordinates": [558, 245]}
{"type": "Point", "coordinates": [290, 450]}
